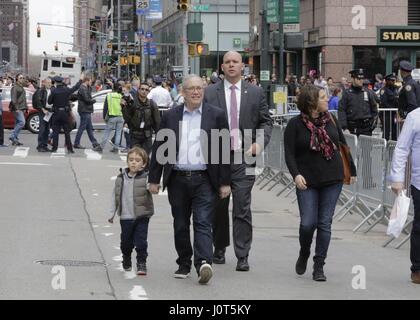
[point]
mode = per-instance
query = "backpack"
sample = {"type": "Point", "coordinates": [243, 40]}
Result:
{"type": "Point", "coordinates": [36, 99]}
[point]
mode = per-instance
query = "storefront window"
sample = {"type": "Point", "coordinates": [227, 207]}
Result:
{"type": "Point", "coordinates": [399, 55]}
{"type": "Point", "coordinates": [371, 59]}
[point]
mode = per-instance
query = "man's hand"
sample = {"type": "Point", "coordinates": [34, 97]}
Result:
{"type": "Point", "coordinates": [397, 187]}
{"type": "Point", "coordinates": [300, 182]}
{"type": "Point", "coordinates": [353, 180]}
{"type": "Point", "coordinates": [154, 188]}
{"type": "Point", "coordinates": [111, 220]}
{"type": "Point", "coordinates": [254, 150]}
{"type": "Point", "coordinates": [45, 111]}
{"type": "Point", "coordinates": [347, 131]}
{"type": "Point", "coordinates": [224, 192]}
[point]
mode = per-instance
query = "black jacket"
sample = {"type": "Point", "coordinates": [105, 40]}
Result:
{"type": "Point", "coordinates": [84, 98]}
{"type": "Point", "coordinates": [60, 96]}
{"type": "Point", "coordinates": [212, 118]}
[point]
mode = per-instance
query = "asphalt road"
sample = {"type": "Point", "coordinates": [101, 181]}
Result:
{"type": "Point", "coordinates": [55, 209]}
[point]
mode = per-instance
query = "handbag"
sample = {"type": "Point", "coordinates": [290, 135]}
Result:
{"type": "Point", "coordinates": [345, 157]}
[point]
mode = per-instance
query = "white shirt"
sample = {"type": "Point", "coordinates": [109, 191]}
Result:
{"type": "Point", "coordinates": [408, 141]}
{"type": "Point", "coordinates": [161, 97]}
{"type": "Point", "coordinates": [228, 95]}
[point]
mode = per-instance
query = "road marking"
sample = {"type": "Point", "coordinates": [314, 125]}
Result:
{"type": "Point", "coordinates": [21, 152]}
{"type": "Point", "coordinates": [95, 226]}
{"type": "Point", "coordinates": [106, 227]}
{"type": "Point", "coordinates": [61, 152]}
{"type": "Point", "coordinates": [92, 155]}
{"type": "Point", "coordinates": [117, 248]}
{"type": "Point", "coordinates": [138, 293]}
{"type": "Point", "coordinates": [107, 234]}
{"type": "Point", "coordinates": [113, 178]}
{"type": "Point", "coordinates": [95, 195]}
{"type": "Point", "coordinates": [118, 258]}
{"type": "Point", "coordinates": [25, 164]}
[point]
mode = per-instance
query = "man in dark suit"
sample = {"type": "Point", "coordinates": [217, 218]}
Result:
{"type": "Point", "coordinates": [195, 174]}
{"type": "Point", "coordinates": [247, 110]}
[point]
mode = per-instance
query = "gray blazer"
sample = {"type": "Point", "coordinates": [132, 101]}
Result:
{"type": "Point", "coordinates": [254, 112]}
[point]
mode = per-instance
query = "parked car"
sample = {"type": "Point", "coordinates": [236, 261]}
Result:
{"type": "Point", "coordinates": [97, 116]}
{"type": "Point", "coordinates": [31, 116]}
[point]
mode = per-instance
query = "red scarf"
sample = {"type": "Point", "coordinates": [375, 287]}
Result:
{"type": "Point", "coordinates": [320, 141]}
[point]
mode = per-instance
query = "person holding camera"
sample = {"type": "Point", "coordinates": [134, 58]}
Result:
{"type": "Point", "coordinates": [142, 116]}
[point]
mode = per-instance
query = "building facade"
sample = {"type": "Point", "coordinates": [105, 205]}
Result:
{"type": "Point", "coordinates": [14, 34]}
{"type": "Point", "coordinates": [225, 28]}
{"type": "Point", "coordinates": [340, 35]}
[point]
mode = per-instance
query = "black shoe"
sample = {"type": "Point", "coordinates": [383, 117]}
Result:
{"type": "Point", "coordinates": [43, 150]}
{"type": "Point", "coordinates": [54, 150]}
{"type": "Point", "coordinates": [219, 256]}
{"type": "Point", "coordinates": [182, 273]}
{"type": "Point", "coordinates": [70, 151]}
{"type": "Point", "coordinates": [242, 264]}
{"type": "Point", "coordinates": [127, 266]}
{"type": "Point", "coordinates": [301, 265]}
{"type": "Point", "coordinates": [78, 146]}
{"type": "Point", "coordinates": [97, 148]}
{"type": "Point", "coordinates": [318, 274]}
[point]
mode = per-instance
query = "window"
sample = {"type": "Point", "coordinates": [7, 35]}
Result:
{"type": "Point", "coordinates": [413, 12]}
{"type": "Point", "coordinates": [56, 64]}
{"type": "Point", "coordinates": [45, 66]}
{"type": "Point", "coordinates": [68, 65]}
{"type": "Point", "coordinates": [371, 59]}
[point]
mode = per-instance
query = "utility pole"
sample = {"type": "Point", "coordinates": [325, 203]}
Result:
{"type": "Point", "coordinates": [265, 58]}
{"type": "Point", "coordinates": [185, 44]}
{"type": "Point", "coordinates": [142, 46]}
{"type": "Point", "coordinates": [281, 44]}
{"type": "Point", "coordinates": [119, 39]}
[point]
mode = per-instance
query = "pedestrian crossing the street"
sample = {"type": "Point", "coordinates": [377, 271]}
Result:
{"type": "Point", "coordinates": [88, 154]}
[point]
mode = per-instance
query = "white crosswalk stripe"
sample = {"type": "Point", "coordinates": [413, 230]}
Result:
{"type": "Point", "coordinates": [21, 152]}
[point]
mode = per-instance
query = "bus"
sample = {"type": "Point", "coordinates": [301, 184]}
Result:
{"type": "Point", "coordinates": [68, 67]}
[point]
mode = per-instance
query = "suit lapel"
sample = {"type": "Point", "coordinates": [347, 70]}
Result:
{"type": "Point", "coordinates": [205, 129]}
{"type": "Point", "coordinates": [244, 98]}
{"type": "Point", "coordinates": [222, 96]}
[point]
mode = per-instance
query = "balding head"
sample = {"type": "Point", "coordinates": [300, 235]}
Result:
{"type": "Point", "coordinates": [233, 66]}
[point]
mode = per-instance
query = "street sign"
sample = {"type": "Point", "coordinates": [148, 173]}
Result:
{"type": "Point", "coordinates": [265, 75]}
{"type": "Point", "coordinates": [200, 7]}
{"type": "Point", "coordinates": [273, 12]}
{"type": "Point", "coordinates": [291, 11]}
{"type": "Point", "coordinates": [291, 27]}
{"type": "Point", "coordinates": [149, 35]}
{"type": "Point", "coordinates": [153, 49]}
{"type": "Point", "coordinates": [140, 32]}
{"type": "Point", "coordinates": [142, 7]}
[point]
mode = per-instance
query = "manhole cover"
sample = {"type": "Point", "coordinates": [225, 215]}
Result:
{"type": "Point", "coordinates": [70, 263]}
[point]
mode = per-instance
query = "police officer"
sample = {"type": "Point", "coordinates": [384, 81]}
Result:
{"type": "Point", "coordinates": [142, 116]}
{"type": "Point", "coordinates": [60, 100]}
{"type": "Point", "coordinates": [389, 100]}
{"type": "Point", "coordinates": [357, 110]}
{"type": "Point", "coordinates": [409, 98]}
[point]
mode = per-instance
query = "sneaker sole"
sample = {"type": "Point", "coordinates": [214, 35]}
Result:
{"type": "Point", "coordinates": [141, 273]}
{"type": "Point", "coordinates": [128, 269]}
{"type": "Point", "coordinates": [181, 276]}
{"type": "Point", "coordinates": [206, 273]}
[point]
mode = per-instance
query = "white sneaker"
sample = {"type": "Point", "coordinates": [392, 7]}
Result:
{"type": "Point", "coordinates": [205, 273]}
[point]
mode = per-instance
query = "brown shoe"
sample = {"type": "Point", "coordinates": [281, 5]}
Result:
{"type": "Point", "coordinates": [415, 277]}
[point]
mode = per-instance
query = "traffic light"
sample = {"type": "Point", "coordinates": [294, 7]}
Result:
{"type": "Point", "coordinates": [183, 5]}
{"type": "Point", "coordinates": [191, 49]}
{"type": "Point", "coordinates": [202, 49]}
{"type": "Point", "coordinates": [123, 61]}
{"type": "Point", "coordinates": [134, 60]}
{"type": "Point", "coordinates": [38, 31]}
{"type": "Point", "coordinates": [56, 46]}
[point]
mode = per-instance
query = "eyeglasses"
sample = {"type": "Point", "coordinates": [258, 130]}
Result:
{"type": "Point", "coordinates": [192, 89]}
{"type": "Point", "coordinates": [144, 89]}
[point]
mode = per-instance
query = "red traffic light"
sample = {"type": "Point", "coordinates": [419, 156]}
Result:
{"type": "Point", "coordinates": [183, 5]}
{"type": "Point", "coordinates": [38, 31]}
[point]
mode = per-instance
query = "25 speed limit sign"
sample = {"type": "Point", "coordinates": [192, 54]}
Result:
{"type": "Point", "coordinates": [143, 4]}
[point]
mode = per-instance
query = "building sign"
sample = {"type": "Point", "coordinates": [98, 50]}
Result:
{"type": "Point", "coordinates": [237, 42]}
{"type": "Point", "coordinates": [155, 10]}
{"type": "Point", "coordinates": [399, 36]}
{"type": "Point", "coordinates": [273, 12]}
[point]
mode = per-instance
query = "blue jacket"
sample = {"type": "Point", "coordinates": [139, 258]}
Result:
{"type": "Point", "coordinates": [333, 103]}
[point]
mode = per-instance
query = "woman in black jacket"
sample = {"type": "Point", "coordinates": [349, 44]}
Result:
{"type": "Point", "coordinates": [313, 157]}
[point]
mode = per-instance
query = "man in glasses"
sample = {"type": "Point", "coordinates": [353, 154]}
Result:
{"type": "Point", "coordinates": [18, 106]}
{"type": "Point", "coordinates": [142, 116]}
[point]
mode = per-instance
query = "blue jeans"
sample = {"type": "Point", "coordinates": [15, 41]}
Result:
{"type": "Point", "coordinates": [44, 131]}
{"type": "Point", "coordinates": [85, 124]}
{"type": "Point", "coordinates": [19, 125]}
{"type": "Point", "coordinates": [316, 207]}
{"type": "Point", "coordinates": [192, 195]}
{"type": "Point", "coordinates": [114, 123]}
{"type": "Point", "coordinates": [134, 235]}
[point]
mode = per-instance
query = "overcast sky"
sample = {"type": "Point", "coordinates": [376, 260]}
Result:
{"type": "Point", "coordinates": [55, 12]}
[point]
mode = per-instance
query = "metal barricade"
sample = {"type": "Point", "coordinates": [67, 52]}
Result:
{"type": "Point", "coordinates": [389, 124]}
{"type": "Point", "coordinates": [371, 181]}
{"type": "Point", "coordinates": [348, 195]}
